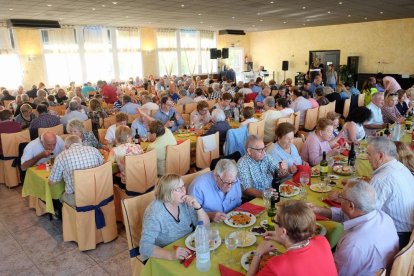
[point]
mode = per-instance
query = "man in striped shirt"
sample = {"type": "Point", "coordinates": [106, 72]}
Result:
{"type": "Point", "coordinates": [393, 183]}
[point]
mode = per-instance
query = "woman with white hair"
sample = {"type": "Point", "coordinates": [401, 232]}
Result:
{"type": "Point", "coordinates": [219, 124]}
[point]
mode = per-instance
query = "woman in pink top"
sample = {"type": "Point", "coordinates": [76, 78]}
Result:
{"type": "Point", "coordinates": [318, 142]}
{"type": "Point", "coordinates": [390, 85]}
{"type": "Point", "coordinates": [306, 254]}
{"type": "Point", "coordinates": [312, 100]}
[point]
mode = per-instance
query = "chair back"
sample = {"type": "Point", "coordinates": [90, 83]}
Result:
{"type": "Point", "coordinates": [178, 158]}
{"type": "Point", "coordinates": [88, 125]}
{"type": "Point", "coordinates": [251, 104]}
{"type": "Point", "coordinates": [311, 118]}
{"type": "Point", "coordinates": [331, 106]}
{"type": "Point", "coordinates": [58, 130]}
{"type": "Point", "coordinates": [347, 106]}
{"type": "Point", "coordinates": [101, 135]}
{"type": "Point", "coordinates": [133, 210]}
{"type": "Point", "coordinates": [203, 159]}
{"type": "Point", "coordinates": [188, 178]}
{"type": "Point", "coordinates": [290, 119]}
{"type": "Point", "coordinates": [361, 99]}
{"type": "Point", "coordinates": [179, 108]}
{"type": "Point", "coordinates": [323, 110]}
{"type": "Point", "coordinates": [211, 103]}
{"type": "Point", "coordinates": [257, 128]}
{"type": "Point", "coordinates": [296, 121]}
{"type": "Point", "coordinates": [10, 142]}
{"type": "Point", "coordinates": [190, 107]}
{"type": "Point", "coordinates": [403, 263]}
{"type": "Point", "coordinates": [298, 142]}
{"type": "Point", "coordinates": [109, 121]}
{"type": "Point", "coordinates": [141, 172]}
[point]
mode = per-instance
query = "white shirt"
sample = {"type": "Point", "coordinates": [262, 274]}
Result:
{"type": "Point", "coordinates": [35, 147]}
{"type": "Point", "coordinates": [245, 91]}
{"type": "Point", "coordinates": [376, 118]}
{"type": "Point", "coordinates": [110, 134]}
{"type": "Point", "coordinates": [394, 185]}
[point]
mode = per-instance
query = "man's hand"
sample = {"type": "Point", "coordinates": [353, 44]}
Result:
{"type": "Point", "coordinates": [217, 217]}
{"type": "Point", "coordinates": [46, 153]}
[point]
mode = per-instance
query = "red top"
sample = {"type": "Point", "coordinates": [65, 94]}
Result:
{"type": "Point", "coordinates": [314, 259]}
{"type": "Point", "coordinates": [8, 127]}
{"type": "Point", "coordinates": [109, 94]}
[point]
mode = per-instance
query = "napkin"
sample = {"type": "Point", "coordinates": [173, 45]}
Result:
{"type": "Point", "coordinates": [320, 217]}
{"type": "Point", "coordinates": [209, 142]}
{"type": "Point", "coordinates": [225, 271]}
{"type": "Point", "coordinates": [189, 259]}
{"type": "Point", "coordinates": [251, 208]}
{"type": "Point", "coordinates": [345, 153]}
{"type": "Point", "coordinates": [332, 203]}
{"type": "Point", "coordinates": [180, 141]}
{"type": "Point", "coordinates": [302, 168]}
{"type": "Point", "coordinates": [41, 167]}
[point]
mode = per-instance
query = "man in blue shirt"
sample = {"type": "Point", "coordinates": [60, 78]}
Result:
{"type": "Point", "coordinates": [168, 115]}
{"type": "Point", "coordinates": [259, 101]}
{"type": "Point", "coordinates": [128, 106]}
{"type": "Point", "coordinates": [317, 82]}
{"type": "Point", "coordinates": [218, 192]}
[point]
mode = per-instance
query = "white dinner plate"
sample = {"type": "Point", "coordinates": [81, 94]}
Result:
{"type": "Point", "coordinates": [319, 188]}
{"type": "Point", "coordinates": [246, 259]}
{"type": "Point", "coordinates": [248, 238]}
{"type": "Point", "coordinates": [190, 242]}
{"type": "Point", "coordinates": [295, 190]}
{"type": "Point", "coordinates": [229, 221]}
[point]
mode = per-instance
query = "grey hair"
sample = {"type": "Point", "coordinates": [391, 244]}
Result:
{"type": "Point", "coordinates": [75, 124]}
{"type": "Point", "coordinates": [269, 101]}
{"type": "Point", "coordinates": [251, 139]}
{"type": "Point", "coordinates": [383, 144]}
{"type": "Point", "coordinates": [377, 95]}
{"type": "Point", "coordinates": [25, 98]}
{"type": "Point", "coordinates": [215, 86]}
{"type": "Point", "coordinates": [226, 165]}
{"type": "Point", "coordinates": [41, 93]}
{"type": "Point", "coordinates": [327, 90]}
{"type": "Point", "coordinates": [362, 194]}
{"type": "Point", "coordinates": [73, 105]}
{"type": "Point", "coordinates": [218, 115]}
{"type": "Point", "coordinates": [72, 139]}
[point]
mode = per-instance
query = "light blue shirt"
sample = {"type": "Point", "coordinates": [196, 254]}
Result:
{"type": "Point", "coordinates": [204, 188]}
{"type": "Point", "coordinates": [369, 242]}
{"type": "Point", "coordinates": [165, 117]}
{"type": "Point", "coordinates": [87, 89]}
{"type": "Point", "coordinates": [138, 125]}
{"type": "Point", "coordinates": [376, 118]}
{"type": "Point", "coordinates": [130, 108]}
{"type": "Point", "coordinates": [278, 154]}
{"type": "Point", "coordinates": [257, 89]}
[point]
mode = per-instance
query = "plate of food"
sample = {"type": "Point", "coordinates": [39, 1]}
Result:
{"type": "Point", "coordinates": [258, 230]}
{"type": "Point", "coordinates": [363, 156]}
{"type": "Point", "coordinates": [315, 171]}
{"type": "Point", "coordinates": [287, 190]}
{"type": "Point", "coordinates": [190, 242]}
{"type": "Point", "coordinates": [340, 159]}
{"type": "Point", "coordinates": [245, 238]}
{"type": "Point", "coordinates": [247, 258]}
{"type": "Point", "coordinates": [240, 219]}
{"type": "Point", "coordinates": [320, 229]}
{"type": "Point", "coordinates": [342, 170]}
{"type": "Point", "coordinates": [320, 188]}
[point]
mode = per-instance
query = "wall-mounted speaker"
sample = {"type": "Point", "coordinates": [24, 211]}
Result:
{"type": "Point", "coordinates": [213, 53]}
{"type": "Point", "coordinates": [218, 53]}
{"type": "Point", "coordinates": [225, 53]}
{"type": "Point", "coordinates": [285, 65]}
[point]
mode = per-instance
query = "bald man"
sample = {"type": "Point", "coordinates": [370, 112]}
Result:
{"type": "Point", "coordinates": [41, 150]}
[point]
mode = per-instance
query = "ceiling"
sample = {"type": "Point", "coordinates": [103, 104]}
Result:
{"type": "Point", "coordinates": [248, 15]}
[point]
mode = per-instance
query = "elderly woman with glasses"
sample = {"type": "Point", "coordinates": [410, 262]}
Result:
{"type": "Point", "coordinates": [306, 254]}
{"type": "Point", "coordinates": [172, 215]}
{"type": "Point", "coordinates": [390, 113]}
{"type": "Point", "coordinates": [218, 192]}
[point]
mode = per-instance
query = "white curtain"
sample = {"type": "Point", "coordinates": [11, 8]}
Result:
{"type": "Point", "coordinates": [190, 47]}
{"type": "Point", "coordinates": [129, 53]}
{"type": "Point", "coordinates": [5, 41]}
{"type": "Point", "coordinates": [207, 41]}
{"type": "Point", "coordinates": [10, 69]}
{"type": "Point", "coordinates": [167, 52]}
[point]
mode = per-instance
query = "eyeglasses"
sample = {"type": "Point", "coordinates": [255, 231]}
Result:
{"type": "Point", "coordinates": [227, 183]}
{"type": "Point", "coordinates": [180, 189]}
{"type": "Point", "coordinates": [259, 150]}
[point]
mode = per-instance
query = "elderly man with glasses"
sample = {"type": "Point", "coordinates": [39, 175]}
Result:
{"type": "Point", "coordinates": [370, 239]}
{"type": "Point", "coordinates": [219, 191]}
{"type": "Point", "coordinates": [256, 168]}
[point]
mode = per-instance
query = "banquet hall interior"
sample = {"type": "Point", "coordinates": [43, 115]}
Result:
{"type": "Point", "coordinates": [131, 45]}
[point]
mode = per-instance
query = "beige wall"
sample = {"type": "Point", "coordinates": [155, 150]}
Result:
{"type": "Point", "coordinates": [227, 41]}
{"type": "Point", "coordinates": [389, 42]}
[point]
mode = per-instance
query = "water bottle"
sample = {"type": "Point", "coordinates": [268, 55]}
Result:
{"type": "Point", "coordinates": [202, 247]}
{"type": "Point", "coordinates": [396, 132]}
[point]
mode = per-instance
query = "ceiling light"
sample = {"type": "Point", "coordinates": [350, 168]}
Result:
{"type": "Point", "coordinates": [303, 8]}
{"type": "Point", "coordinates": [381, 12]}
{"type": "Point", "coordinates": [10, 9]}
{"type": "Point", "coordinates": [340, 3]}
{"type": "Point", "coordinates": [349, 15]}
{"type": "Point", "coordinates": [272, 2]}
{"type": "Point", "coordinates": [103, 6]}
{"type": "Point", "coordinates": [127, 16]}
{"type": "Point", "coordinates": [366, 18]}
{"type": "Point", "coordinates": [93, 9]}
{"type": "Point", "coordinates": [261, 20]}
{"type": "Point", "coordinates": [182, 5]}
{"type": "Point", "coordinates": [258, 13]}
{"type": "Point", "coordinates": [201, 22]}
{"type": "Point", "coordinates": [114, 3]}
{"type": "Point", "coordinates": [199, 14]}
{"type": "Point", "coordinates": [304, 24]}
{"type": "Point", "coordinates": [233, 17]}
{"type": "Point", "coordinates": [253, 25]}
{"type": "Point", "coordinates": [329, 11]}
{"type": "Point", "coordinates": [284, 22]}
{"type": "Point", "coordinates": [307, 20]}
{"type": "Point", "coordinates": [49, 5]}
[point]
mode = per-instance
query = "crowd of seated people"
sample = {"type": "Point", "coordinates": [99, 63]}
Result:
{"type": "Point", "coordinates": [174, 214]}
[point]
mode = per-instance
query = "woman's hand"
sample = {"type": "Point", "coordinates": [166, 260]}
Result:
{"type": "Point", "coordinates": [265, 247]}
{"type": "Point", "coordinates": [270, 235]}
{"type": "Point", "coordinates": [191, 201]}
{"type": "Point", "coordinates": [181, 253]}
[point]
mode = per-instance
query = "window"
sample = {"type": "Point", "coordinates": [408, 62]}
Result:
{"type": "Point", "coordinates": [129, 53]}
{"type": "Point", "coordinates": [207, 41]}
{"type": "Point", "coordinates": [11, 71]}
{"type": "Point", "coordinates": [62, 58]}
{"type": "Point", "coordinates": [190, 48]}
{"type": "Point", "coordinates": [167, 52]}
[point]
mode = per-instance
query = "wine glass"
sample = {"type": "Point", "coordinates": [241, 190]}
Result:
{"type": "Point", "coordinates": [214, 234]}
{"type": "Point", "coordinates": [304, 180]}
{"type": "Point", "coordinates": [231, 242]}
{"type": "Point", "coordinates": [324, 187]}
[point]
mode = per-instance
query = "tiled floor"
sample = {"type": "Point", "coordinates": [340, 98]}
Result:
{"type": "Point", "coordinates": [32, 245]}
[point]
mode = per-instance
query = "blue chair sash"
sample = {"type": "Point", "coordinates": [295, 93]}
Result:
{"type": "Point", "coordinates": [134, 252]}
{"type": "Point", "coordinates": [99, 216]}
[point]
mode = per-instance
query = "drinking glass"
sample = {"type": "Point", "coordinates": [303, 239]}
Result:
{"type": "Point", "coordinates": [231, 242]}
{"type": "Point", "coordinates": [144, 137]}
{"type": "Point", "coordinates": [214, 234]}
{"type": "Point", "coordinates": [324, 186]}
{"type": "Point", "coordinates": [304, 180]}
{"type": "Point", "coordinates": [267, 194]}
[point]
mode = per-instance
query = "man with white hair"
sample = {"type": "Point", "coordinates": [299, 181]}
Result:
{"type": "Point", "coordinates": [219, 191]}
{"type": "Point", "coordinates": [216, 91]}
{"type": "Point", "coordinates": [370, 240]}
{"type": "Point", "coordinates": [375, 122]}
{"type": "Point", "coordinates": [74, 113]}
{"type": "Point", "coordinates": [75, 157]}
{"type": "Point", "coordinates": [393, 183]}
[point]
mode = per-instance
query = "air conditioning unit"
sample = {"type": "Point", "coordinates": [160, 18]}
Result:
{"type": "Point", "coordinates": [232, 32]}
{"type": "Point", "coordinates": [31, 23]}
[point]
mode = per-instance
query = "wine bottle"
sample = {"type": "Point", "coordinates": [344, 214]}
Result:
{"type": "Point", "coordinates": [276, 184]}
{"type": "Point", "coordinates": [323, 167]}
{"type": "Point", "coordinates": [352, 156]}
{"type": "Point", "coordinates": [136, 137]}
{"type": "Point", "coordinates": [271, 213]}
{"type": "Point", "coordinates": [387, 131]}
